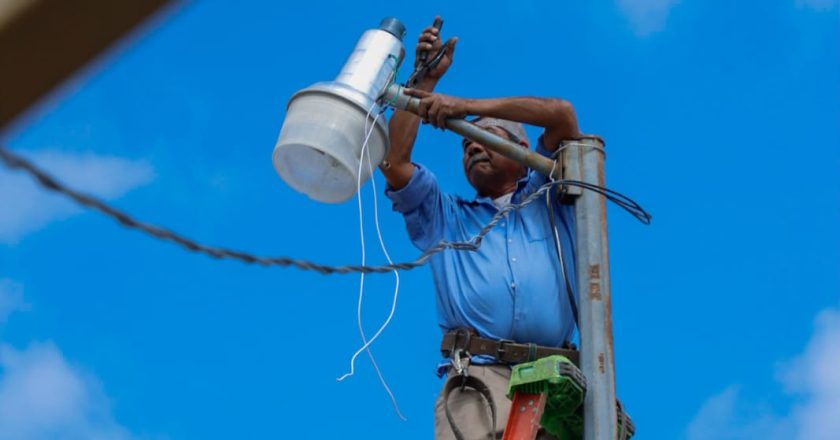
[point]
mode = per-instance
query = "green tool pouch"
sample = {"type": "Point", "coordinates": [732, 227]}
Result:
{"type": "Point", "coordinates": [565, 388]}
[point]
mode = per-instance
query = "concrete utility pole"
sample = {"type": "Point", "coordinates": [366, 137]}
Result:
{"type": "Point", "coordinates": [585, 162]}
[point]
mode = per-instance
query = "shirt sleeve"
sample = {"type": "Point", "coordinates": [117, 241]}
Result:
{"type": "Point", "coordinates": [423, 206]}
{"type": "Point", "coordinates": [537, 179]}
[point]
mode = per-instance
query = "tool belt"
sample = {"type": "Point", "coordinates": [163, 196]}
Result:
{"type": "Point", "coordinates": [505, 351]}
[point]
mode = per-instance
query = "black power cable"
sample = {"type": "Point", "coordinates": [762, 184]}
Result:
{"type": "Point", "coordinates": [563, 268]}
{"type": "Point", "coordinates": [13, 161]}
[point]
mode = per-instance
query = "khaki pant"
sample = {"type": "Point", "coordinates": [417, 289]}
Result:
{"type": "Point", "coordinates": [469, 408]}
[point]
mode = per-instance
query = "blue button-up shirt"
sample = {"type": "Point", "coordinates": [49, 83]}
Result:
{"type": "Point", "coordinates": [512, 287]}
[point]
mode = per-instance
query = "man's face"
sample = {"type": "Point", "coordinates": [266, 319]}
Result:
{"type": "Point", "coordinates": [490, 173]}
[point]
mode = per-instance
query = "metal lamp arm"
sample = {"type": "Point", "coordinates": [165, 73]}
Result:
{"type": "Point", "coordinates": [396, 98]}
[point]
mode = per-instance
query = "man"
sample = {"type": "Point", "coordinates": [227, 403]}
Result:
{"type": "Point", "coordinates": [513, 287]}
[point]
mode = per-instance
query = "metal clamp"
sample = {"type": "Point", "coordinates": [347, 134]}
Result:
{"type": "Point", "coordinates": [569, 156]}
{"type": "Point", "coordinates": [457, 353]}
{"type": "Point", "coordinates": [500, 348]}
{"type": "Point", "coordinates": [458, 364]}
{"type": "Point", "coordinates": [467, 336]}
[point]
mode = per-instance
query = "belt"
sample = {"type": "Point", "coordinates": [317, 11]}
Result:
{"type": "Point", "coordinates": [505, 351]}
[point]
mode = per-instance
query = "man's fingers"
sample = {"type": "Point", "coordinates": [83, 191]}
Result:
{"type": "Point", "coordinates": [431, 30]}
{"type": "Point", "coordinates": [433, 113]}
{"type": "Point", "coordinates": [416, 92]}
{"type": "Point", "coordinates": [422, 110]}
{"type": "Point", "coordinates": [450, 45]}
{"type": "Point", "coordinates": [429, 42]}
{"type": "Point", "coordinates": [441, 120]}
{"type": "Point", "coordinates": [428, 36]}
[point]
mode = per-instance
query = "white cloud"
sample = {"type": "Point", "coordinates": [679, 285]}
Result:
{"type": "Point", "coordinates": [811, 379]}
{"type": "Point", "coordinates": [43, 397]}
{"type": "Point", "coordinates": [726, 416]}
{"type": "Point", "coordinates": [11, 298]}
{"type": "Point", "coordinates": [26, 207]}
{"type": "Point", "coordinates": [816, 375]}
{"type": "Point", "coordinates": [647, 16]}
{"type": "Point", "coordinates": [820, 5]}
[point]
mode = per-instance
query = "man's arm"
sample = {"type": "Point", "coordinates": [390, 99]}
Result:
{"type": "Point", "coordinates": [403, 127]}
{"type": "Point", "coordinates": [557, 116]}
{"type": "Point", "coordinates": [403, 132]}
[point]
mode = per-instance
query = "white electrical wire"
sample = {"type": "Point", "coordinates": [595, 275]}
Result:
{"type": "Point", "coordinates": [396, 283]}
{"type": "Point", "coordinates": [352, 371]}
{"type": "Point", "coordinates": [365, 153]}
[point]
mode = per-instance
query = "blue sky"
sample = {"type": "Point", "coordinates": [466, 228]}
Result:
{"type": "Point", "coordinates": [720, 117]}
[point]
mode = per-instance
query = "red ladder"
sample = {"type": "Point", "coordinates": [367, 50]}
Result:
{"type": "Point", "coordinates": [524, 418]}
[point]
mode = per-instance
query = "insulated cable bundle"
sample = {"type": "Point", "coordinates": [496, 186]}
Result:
{"type": "Point", "coordinates": [14, 161]}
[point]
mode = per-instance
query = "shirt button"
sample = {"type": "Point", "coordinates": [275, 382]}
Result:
{"type": "Point", "coordinates": [502, 223]}
{"type": "Point", "coordinates": [513, 259]}
{"type": "Point", "coordinates": [513, 285]}
{"type": "Point", "coordinates": [510, 240]}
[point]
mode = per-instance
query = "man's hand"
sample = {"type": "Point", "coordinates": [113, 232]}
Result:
{"type": "Point", "coordinates": [398, 168]}
{"type": "Point", "coordinates": [436, 108]}
{"type": "Point", "coordinates": [430, 41]}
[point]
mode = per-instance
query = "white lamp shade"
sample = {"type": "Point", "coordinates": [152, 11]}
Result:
{"type": "Point", "coordinates": [320, 144]}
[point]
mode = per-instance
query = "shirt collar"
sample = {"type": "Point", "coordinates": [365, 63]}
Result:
{"type": "Point", "coordinates": [519, 185]}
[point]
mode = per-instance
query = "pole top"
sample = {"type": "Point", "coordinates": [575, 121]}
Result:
{"type": "Point", "coordinates": [588, 137]}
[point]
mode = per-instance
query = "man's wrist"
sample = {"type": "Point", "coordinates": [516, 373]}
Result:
{"type": "Point", "coordinates": [470, 107]}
